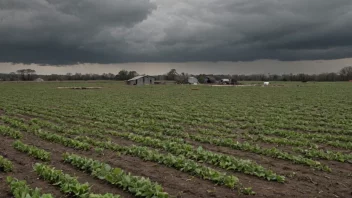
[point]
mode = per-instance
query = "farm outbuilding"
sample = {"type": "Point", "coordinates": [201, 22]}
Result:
{"type": "Point", "coordinates": [225, 81]}
{"type": "Point", "coordinates": [141, 80]}
{"type": "Point", "coordinates": [39, 80]}
{"type": "Point", "coordinates": [192, 80]}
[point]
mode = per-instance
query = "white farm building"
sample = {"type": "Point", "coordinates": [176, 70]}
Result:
{"type": "Point", "coordinates": [192, 80]}
{"type": "Point", "coordinates": [141, 80]}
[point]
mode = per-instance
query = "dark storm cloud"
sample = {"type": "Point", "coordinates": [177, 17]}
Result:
{"type": "Point", "coordinates": [108, 31]}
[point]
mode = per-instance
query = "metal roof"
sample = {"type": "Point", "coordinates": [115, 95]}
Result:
{"type": "Point", "coordinates": [137, 77]}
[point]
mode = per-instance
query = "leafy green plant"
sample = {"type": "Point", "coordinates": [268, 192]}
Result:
{"type": "Point", "coordinates": [138, 186]}
{"type": "Point", "coordinates": [99, 150]}
{"type": "Point", "coordinates": [32, 151]}
{"type": "Point", "coordinates": [67, 184]}
{"type": "Point", "coordinates": [20, 189]}
{"type": "Point", "coordinates": [108, 195]}
{"type": "Point", "coordinates": [177, 162]}
{"type": "Point", "coordinates": [7, 131]}
{"type": "Point", "coordinates": [199, 154]}
{"type": "Point", "coordinates": [5, 164]}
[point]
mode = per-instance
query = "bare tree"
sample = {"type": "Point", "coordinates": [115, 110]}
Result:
{"type": "Point", "coordinates": [346, 73]}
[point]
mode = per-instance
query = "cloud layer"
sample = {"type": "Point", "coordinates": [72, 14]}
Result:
{"type": "Point", "coordinates": [112, 31]}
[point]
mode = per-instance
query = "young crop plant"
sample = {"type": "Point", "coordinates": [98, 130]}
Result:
{"type": "Point", "coordinates": [32, 151]}
{"type": "Point", "coordinates": [8, 131]}
{"type": "Point", "coordinates": [271, 152]}
{"type": "Point", "coordinates": [139, 186]}
{"type": "Point", "coordinates": [328, 155]}
{"type": "Point", "coordinates": [108, 195]}
{"type": "Point", "coordinates": [5, 164]}
{"type": "Point", "coordinates": [185, 165]}
{"type": "Point", "coordinates": [178, 162]}
{"type": "Point", "coordinates": [63, 140]}
{"type": "Point", "coordinates": [221, 160]}
{"type": "Point", "coordinates": [67, 184]}
{"type": "Point", "coordinates": [20, 189]}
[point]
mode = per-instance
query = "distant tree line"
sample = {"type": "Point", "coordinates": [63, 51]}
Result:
{"type": "Point", "coordinates": [344, 74]}
{"type": "Point", "coordinates": [30, 75]}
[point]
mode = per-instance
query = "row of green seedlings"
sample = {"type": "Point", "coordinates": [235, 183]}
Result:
{"type": "Point", "coordinates": [223, 161]}
{"type": "Point", "coordinates": [227, 180]}
{"type": "Point", "coordinates": [65, 128]}
{"type": "Point", "coordinates": [35, 129]}
{"type": "Point", "coordinates": [338, 141]}
{"type": "Point", "coordinates": [68, 184]}
{"type": "Point", "coordinates": [270, 152]}
{"type": "Point", "coordinates": [32, 151]}
{"type": "Point", "coordinates": [273, 152]}
{"type": "Point", "coordinates": [329, 155]}
{"type": "Point", "coordinates": [178, 162]}
{"type": "Point", "coordinates": [226, 162]}
{"type": "Point", "coordinates": [311, 151]}
{"type": "Point", "coordinates": [20, 189]}
{"type": "Point", "coordinates": [10, 132]}
{"type": "Point", "coordinates": [301, 142]}
{"type": "Point", "coordinates": [118, 123]}
{"type": "Point", "coordinates": [337, 156]}
{"type": "Point", "coordinates": [139, 186]}
{"type": "Point", "coordinates": [95, 132]}
{"type": "Point", "coordinates": [115, 117]}
{"type": "Point", "coordinates": [5, 164]}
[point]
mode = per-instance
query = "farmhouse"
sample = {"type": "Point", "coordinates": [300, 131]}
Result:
{"type": "Point", "coordinates": [141, 80]}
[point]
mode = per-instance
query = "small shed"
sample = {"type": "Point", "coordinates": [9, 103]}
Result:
{"type": "Point", "coordinates": [141, 80]}
{"type": "Point", "coordinates": [192, 80]}
{"type": "Point", "coordinates": [39, 80]}
{"type": "Point", "coordinates": [225, 81]}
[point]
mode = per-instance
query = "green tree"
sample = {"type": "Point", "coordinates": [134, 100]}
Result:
{"type": "Point", "coordinates": [26, 74]}
{"type": "Point", "coordinates": [122, 75]}
{"type": "Point", "coordinates": [132, 74]}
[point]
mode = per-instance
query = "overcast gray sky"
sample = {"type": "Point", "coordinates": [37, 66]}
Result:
{"type": "Point", "coordinates": [199, 36]}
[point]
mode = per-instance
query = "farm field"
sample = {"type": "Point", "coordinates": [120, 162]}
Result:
{"type": "Point", "coordinates": [175, 140]}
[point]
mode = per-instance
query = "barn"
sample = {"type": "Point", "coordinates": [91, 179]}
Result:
{"type": "Point", "coordinates": [141, 80]}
